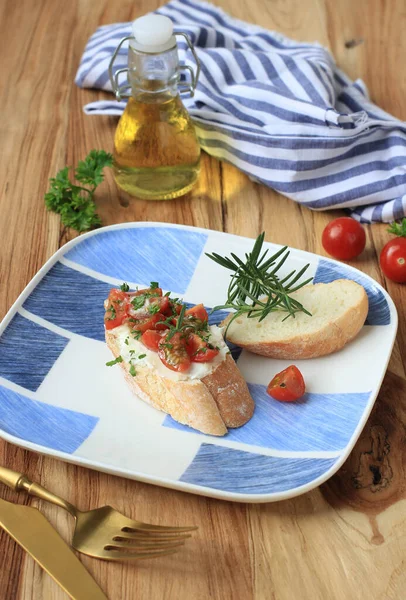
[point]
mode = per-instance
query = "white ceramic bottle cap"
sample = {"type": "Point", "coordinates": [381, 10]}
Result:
{"type": "Point", "coordinates": [153, 33]}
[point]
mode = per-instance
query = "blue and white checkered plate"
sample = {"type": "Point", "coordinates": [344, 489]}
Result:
{"type": "Point", "coordinates": [57, 397]}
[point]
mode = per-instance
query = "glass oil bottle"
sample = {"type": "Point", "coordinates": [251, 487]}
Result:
{"type": "Point", "coordinates": [156, 151]}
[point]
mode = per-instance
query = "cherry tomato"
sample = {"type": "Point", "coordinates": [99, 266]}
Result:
{"type": "Point", "coordinates": [168, 307]}
{"type": "Point", "coordinates": [145, 322]}
{"type": "Point", "coordinates": [288, 385]}
{"type": "Point", "coordinates": [173, 310]}
{"type": "Point", "coordinates": [175, 307]}
{"type": "Point", "coordinates": [198, 349]}
{"type": "Point", "coordinates": [196, 316]}
{"type": "Point", "coordinates": [163, 304]}
{"type": "Point", "coordinates": [198, 312]}
{"type": "Point", "coordinates": [147, 292]}
{"type": "Point", "coordinates": [117, 310]}
{"type": "Point", "coordinates": [161, 326]}
{"type": "Point", "coordinates": [151, 338]}
{"type": "Point", "coordinates": [151, 304]}
{"type": "Point", "coordinates": [393, 260]}
{"type": "Point", "coordinates": [344, 238]}
{"type": "Point", "coordinates": [173, 353]}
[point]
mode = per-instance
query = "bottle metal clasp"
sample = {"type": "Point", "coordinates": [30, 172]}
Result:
{"type": "Point", "coordinates": [122, 91]}
{"type": "Point", "coordinates": [119, 90]}
{"type": "Point", "coordinates": [194, 77]}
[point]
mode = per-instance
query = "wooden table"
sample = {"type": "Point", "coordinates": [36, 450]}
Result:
{"type": "Point", "coordinates": [334, 543]}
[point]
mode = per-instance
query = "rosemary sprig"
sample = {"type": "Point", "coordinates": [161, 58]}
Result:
{"type": "Point", "coordinates": [255, 288]}
{"type": "Point", "coordinates": [179, 324]}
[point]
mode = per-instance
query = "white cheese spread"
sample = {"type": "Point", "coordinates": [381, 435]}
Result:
{"type": "Point", "coordinates": [134, 352]}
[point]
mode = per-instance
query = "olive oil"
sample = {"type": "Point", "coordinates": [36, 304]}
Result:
{"type": "Point", "coordinates": [156, 151]}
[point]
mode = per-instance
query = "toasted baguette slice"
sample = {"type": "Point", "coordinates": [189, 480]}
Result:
{"type": "Point", "coordinates": [210, 405]}
{"type": "Point", "coordinates": [338, 309]}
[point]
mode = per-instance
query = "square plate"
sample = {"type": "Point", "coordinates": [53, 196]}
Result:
{"type": "Point", "coordinates": [57, 397]}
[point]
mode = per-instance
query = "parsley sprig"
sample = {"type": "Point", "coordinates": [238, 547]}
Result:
{"type": "Point", "coordinates": [75, 202]}
{"type": "Point", "coordinates": [398, 228]}
{"type": "Point", "coordinates": [255, 288]}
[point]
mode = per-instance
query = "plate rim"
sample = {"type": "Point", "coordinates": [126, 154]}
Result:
{"type": "Point", "coordinates": [176, 484]}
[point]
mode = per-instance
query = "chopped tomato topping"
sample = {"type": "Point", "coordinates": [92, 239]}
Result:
{"type": "Point", "coordinates": [199, 350]}
{"type": "Point", "coordinates": [198, 312]}
{"type": "Point", "coordinates": [161, 325]}
{"type": "Point", "coordinates": [176, 307]}
{"type": "Point", "coordinates": [172, 309]}
{"type": "Point", "coordinates": [147, 292]}
{"type": "Point", "coordinates": [173, 353]}
{"type": "Point", "coordinates": [151, 339]}
{"type": "Point", "coordinates": [143, 305]}
{"type": "Point", "coordinates": [163, 304]}
{"type": "Point", "coordinates": [117, 309]}
{"type": "Point", "coordinates": [196, 316]}
{"type": "Point", "coordinates": [147, 311]}
{"type": "Point", "coordinates": [145, 321]}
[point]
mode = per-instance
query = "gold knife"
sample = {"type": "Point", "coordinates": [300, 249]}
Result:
{"type": "Point", "coordinates": [36, 535]}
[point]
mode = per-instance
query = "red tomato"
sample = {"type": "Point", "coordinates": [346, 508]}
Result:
{"type": "Point", "coordinates": [198, 349]}
{"type": "Point", "coordinates": [147, 291]}
{"type": "Point", "coordinates": [163, 303]}
{"type": "Point", "coordinates": [145, 322]}
{"type": "Point", "coordinates": [344, 238]}
{"type": "Point", "coordinates": [288, 385]}
{"type": "Point", "coordinates": [161, 326]}
{"type": "Point", "coordinates": [393, 260]}
{"type": "Point", "coordinates": [174, 308]}
{"type": "Point", "coordinates": [198, 312]}
{"type": "Point", "coordinates": [149, 306]}
{"type": "Point", "coordinates": [117, 310]}
{"type": "Point", "coordinates": [173, 353]}
{"type": "Point", "coordinates": [151, 339]}
{"type": "Point", "coordinates": [196, 316]}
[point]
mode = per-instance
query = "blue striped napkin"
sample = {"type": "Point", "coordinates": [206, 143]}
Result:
{"type": "Point", "coordinates": [279, 110]}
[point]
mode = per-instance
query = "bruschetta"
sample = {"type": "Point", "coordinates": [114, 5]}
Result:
{"type": "Point", "coordinates": [175, 361]}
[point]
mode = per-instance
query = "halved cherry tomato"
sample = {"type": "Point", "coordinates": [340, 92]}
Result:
{"type": "Point", "coordinates": [196, 315]}
{"type": "Point", "coordinates": [198, 312]}
{"type": "Point", "coordinates": [173, 353]}
{"type": "Point", "coordinates": [117, 310]}
{"type": "Point", "coordinates": [198, 349]}
{"type": "Point", "coordinates": [288, 385]}
{"type": "Point", "coordinates": [172, 311]}
{"type": "Point", "coordinates": [161, 326]}
{"type": "Point", "coordinates": [344, 238]}
{"type": "Point", "coordinates": [145, 322]}
{"type": "Point", "coordinates": [151, 339]}
{"type": "Point", "coordinates": [174, 308]}
{"type": "Point", "coordinates": [163, 304]}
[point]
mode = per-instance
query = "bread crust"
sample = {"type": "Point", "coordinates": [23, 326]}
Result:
{"type": "Point", "coordinates": [330, 338]}
{"type": "Point", "coordinates": [210, 405]}
{"type": "Point", "coordinates": [230, 391]}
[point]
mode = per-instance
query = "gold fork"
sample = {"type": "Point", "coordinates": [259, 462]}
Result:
{"type": "Point", "coordinates": [104, 532]}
